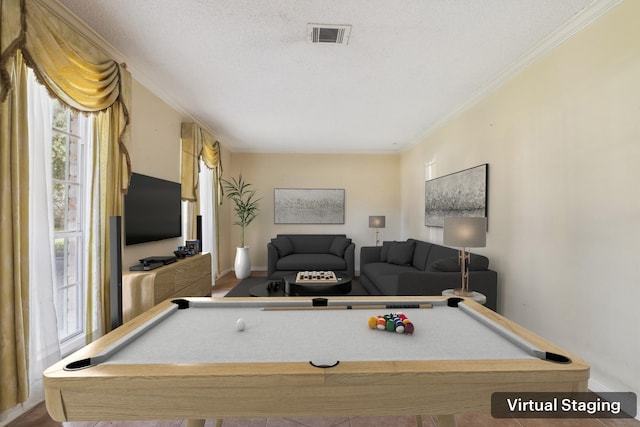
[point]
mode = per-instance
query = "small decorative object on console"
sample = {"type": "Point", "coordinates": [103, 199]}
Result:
{"type": "Point", "coordinates": [274, 285]}
{"type": "Point", "coordinates": [180, 253]}
{"type": "Point", "coordinates": [316, 277]}
{"type": "Point", "coordinates": [192, 246]}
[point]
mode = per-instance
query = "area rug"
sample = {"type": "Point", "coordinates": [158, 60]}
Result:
{"type": "Point", "coordinates": [242, 288]}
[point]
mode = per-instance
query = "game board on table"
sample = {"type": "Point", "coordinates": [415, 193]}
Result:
{"type": "Point", "coordinates": [316, 277]}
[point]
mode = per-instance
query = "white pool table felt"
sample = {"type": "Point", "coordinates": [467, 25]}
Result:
{"type": "Point", "coordinates": [209, 335]}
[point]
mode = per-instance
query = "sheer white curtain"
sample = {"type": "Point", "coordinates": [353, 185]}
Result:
{"type": "Point", "coordinates": [44, 349]}
{"type": "Point", "coordinates": [207, 199]}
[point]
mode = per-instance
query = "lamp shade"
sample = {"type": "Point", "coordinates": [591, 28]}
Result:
{"type": "Point", "coordinates": [376, 221]}
{"type": "Point", "coordinates": [465, 232]}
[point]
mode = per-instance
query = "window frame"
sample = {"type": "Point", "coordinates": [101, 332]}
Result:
{"type": "Point", "coordinates": [72, 340]}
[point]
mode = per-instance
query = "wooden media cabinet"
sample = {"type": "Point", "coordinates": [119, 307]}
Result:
{"type": "Point", "coordinates": [187, 277]}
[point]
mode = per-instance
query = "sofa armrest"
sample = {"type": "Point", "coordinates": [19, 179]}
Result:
{"type": "Point", "coordinates": [272, 259]}
{"type": "Point", "coordinates": [433, 283]}
{"type": "Point", "coordinates": [350, 259]}
{"type": "Point", "coordinates": [369, 254]}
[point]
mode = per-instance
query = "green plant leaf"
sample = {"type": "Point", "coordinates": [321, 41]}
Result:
{"type": "Point", "coordinates": [246, 203]}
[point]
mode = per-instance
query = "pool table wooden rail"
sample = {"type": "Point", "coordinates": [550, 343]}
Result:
{"type": "Point", "coordinates": [200, 391]}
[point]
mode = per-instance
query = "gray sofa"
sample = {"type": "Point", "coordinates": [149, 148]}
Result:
{"type": "Point", "coordinates": [414, 267]}
{"type": "Point", "coordinates": [290, 253]}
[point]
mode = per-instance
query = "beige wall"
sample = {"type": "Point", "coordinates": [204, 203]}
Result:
{"type": "Point", "coordinates": [371, 184]}
{"type": "Point", "coordinates": [562, 140]}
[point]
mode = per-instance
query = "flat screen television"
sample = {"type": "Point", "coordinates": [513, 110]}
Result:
{"type": "Point", "coordinates": [152, 210]}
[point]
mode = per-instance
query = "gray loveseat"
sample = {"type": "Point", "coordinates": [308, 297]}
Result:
{"type": "Point", "coordinates": [415, 267]}
{"type": "Point", "coordinates": [290, 253]}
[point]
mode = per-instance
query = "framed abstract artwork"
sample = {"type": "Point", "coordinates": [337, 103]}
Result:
{"type": "Point", "coordinates": [308, 206]}
{"type": "Point", "coordinates": [461, 193]}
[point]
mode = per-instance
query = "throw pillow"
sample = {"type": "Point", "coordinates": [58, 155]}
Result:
{"type": "Point", "coordinates": [283, 245]}
{"type": "Point", "coordinates": [384, 251]}
{"type": "Point", "coordinates": [401, 253]}
{"type": "Point", "coordinates": [339, 245]}
{"type": "Point", "coordinates": [478, 263]}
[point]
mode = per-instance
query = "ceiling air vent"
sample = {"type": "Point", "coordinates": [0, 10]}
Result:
{"type": "Point", "coordinates": [332, 34]}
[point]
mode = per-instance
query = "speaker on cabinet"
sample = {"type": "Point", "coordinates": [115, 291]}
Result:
{"type": "Point", "coordinates": [115, 270]}
{"type": "Point", "coordinates": [199, 231]}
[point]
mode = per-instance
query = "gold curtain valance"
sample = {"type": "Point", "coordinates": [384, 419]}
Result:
{"type": "Point", "coordinates": [70, 66]}
{"type": "Point", "coordinates": [210, 152]}
{"type": "Point", "coordinates": [78, 73]}
{"type": "Point", "coordinates": [213, 160]}
{"type": "Point", "coordinates": [197, 143]}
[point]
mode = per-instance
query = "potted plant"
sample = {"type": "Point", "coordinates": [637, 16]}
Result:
{"type": "Point", "coordinates": [246, 209]}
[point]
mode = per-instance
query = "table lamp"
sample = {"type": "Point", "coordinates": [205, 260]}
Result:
{"type": "Point", "coordinates": [465, 232]}
{"type": "Point", "coordinates": [377, 222]}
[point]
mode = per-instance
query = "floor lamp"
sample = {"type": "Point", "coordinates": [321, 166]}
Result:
{"type": "Point", "coordinates": [465, 232]}
{"type": "Point", "coordinates": [377, 222]}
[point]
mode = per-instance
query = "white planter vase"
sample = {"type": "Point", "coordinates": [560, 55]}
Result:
{"type": "Point", "coordinates": [242, 264]}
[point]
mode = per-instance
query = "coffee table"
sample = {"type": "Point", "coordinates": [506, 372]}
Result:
{"type": "Point", "coordinates": [289, 287]}
{"type": "Point", "coordinates": [293, 287]}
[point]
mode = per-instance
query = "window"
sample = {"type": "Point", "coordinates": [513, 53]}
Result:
{"type": "Point", "coordinates": [70, 132]}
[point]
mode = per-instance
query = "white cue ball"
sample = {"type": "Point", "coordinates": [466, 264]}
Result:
{"type": "Point", "coordinates": [240, 325]}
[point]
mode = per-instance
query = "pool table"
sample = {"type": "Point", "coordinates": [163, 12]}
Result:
{"type": "Point", "coordinates": [198, 358]}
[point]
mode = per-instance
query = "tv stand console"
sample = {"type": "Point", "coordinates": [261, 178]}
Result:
{"type": "Point", "coordinates": [188, 277]}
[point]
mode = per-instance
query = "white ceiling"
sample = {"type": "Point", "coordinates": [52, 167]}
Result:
{"type": "Point", "coordinates": [245, 69]}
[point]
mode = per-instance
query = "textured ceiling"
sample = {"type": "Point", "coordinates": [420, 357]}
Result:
{"type": "Point", "coordinates": [245, 69]}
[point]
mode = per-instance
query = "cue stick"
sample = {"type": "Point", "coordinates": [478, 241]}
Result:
{"type": "Point", "coordinates": [350, 307]}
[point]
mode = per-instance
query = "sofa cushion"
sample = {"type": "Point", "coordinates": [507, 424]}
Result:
{"type": "Point", "coordinates": [283, 245]}
{"type": "Point", "coordinates": [438, 252]}
{"type": "Point", "coordinates": [311, 243]}
{"type": "Point", "coordinates": [451, 264]}
{"type": "Point", "coordinates": [304, 262]}
{"type": "Point", "coordinates": [445, 264]}
{"type": "Point", "coordinates": [384, 251]}
{"type": "Point", "coordinates": [421, 254]}
{"type": "Point", "coordinates": [401, 253]}
{"type": "Point", "coordinates": [339, 245]}
{"type": "Point", "coordinates": [387, 285]}
{"type": "Point", "coordinates": [478, 263]}
{"type": "Point", "coordinates": [374, 270]}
